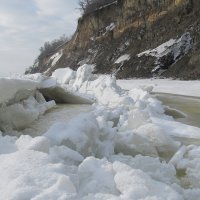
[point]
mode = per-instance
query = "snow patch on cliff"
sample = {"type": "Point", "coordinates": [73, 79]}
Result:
{"type": "Point", "coordinates": [122, 58]}
{"type": "Point", "coordinates": [169, 52]}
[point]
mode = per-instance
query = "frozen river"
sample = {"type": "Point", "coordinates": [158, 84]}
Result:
{"type": "Point", "coordinates": [61, 113]}
{"type": "Point", "coordinates": [184, 109]}
{"type": "Point", "coordinates": [189, 106]}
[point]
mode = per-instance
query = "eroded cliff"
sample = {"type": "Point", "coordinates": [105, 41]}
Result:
{"type": "Point", "coordinates": [129, 27]}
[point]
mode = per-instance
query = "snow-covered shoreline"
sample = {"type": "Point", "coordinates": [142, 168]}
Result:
{"type": "Point", "coordinates": [176, 87]}
{"type": "Point", "coordinates": [114, 152]}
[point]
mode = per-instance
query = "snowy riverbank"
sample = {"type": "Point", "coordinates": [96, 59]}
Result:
{"type": "Point", "coordinates": [177, 87]}
{"type": "Point", "coordinates": [121, 149]}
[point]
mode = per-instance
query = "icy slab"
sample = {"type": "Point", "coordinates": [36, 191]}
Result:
{"type": "Point", "coordinates": [187, 160]}
{"type": "Point", "coordinates": [82, 135]}
{"type": "Point", "coordinates": [30, 174]}
{"type": "Point", "coordinates": [98, 88]}
{"type": "Point", "coordinates": [20, 102]}
{"type": "Point", "coordinates": [160, 171]}
{"type": "Point", "coordinates": [19, 114]}
{"type": "Point", "coordinates": [9, 87]}
{"type": "Point", "coordinates": [135, 184]}
{"type": "Point", "coordinates": [38, 77]}
{"type": "Point", "coordinates": [55, 87]}
{"type": "Point", "coordinates": [64, 75]}
{"type": "Point", "coordinates": [177, 129]}
{"type": "Point", "coordinates": [117, 180]}
{"type": "Point", "coordinates": [7, 144]}
{"type": "Point", "coordinates": [40, 143]}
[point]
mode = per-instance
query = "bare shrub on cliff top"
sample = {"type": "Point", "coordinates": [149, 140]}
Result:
{"type": "Point", "coordinates": [50, 47]}
{"type": "Point", "coordinates": [88, 6]}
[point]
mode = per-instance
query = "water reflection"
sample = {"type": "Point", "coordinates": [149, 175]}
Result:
{"type": "Point", "coordinates": [61, 113]}
{"type": "Point", "coordinates": [183, 109]}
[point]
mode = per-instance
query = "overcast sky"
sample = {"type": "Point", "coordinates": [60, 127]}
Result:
{"type": "Point", "coordinates": [26, 24]}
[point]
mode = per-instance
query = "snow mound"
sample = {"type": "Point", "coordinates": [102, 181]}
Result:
{"type": "Point", "coordinates": [40, 143]}
{"type": "Point", "coordinates": [19, 114]}
{"type": "Point", "coordinates": [30, 175]}
{"type": "Point", "coordinates": [100, 88]}
{"type": "Point", "coordinates": [10, 87]}
{"type": "Point", "coordinates": [82, 135]}
{"type": "Point", "coordinates": [64, 75]}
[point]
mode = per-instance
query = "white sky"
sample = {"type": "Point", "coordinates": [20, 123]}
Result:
{"type": "Point", "coordinates": [26, 24]}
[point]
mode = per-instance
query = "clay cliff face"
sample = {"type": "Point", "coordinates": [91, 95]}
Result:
{"type": "Point", "coordinates": [129, 27]}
